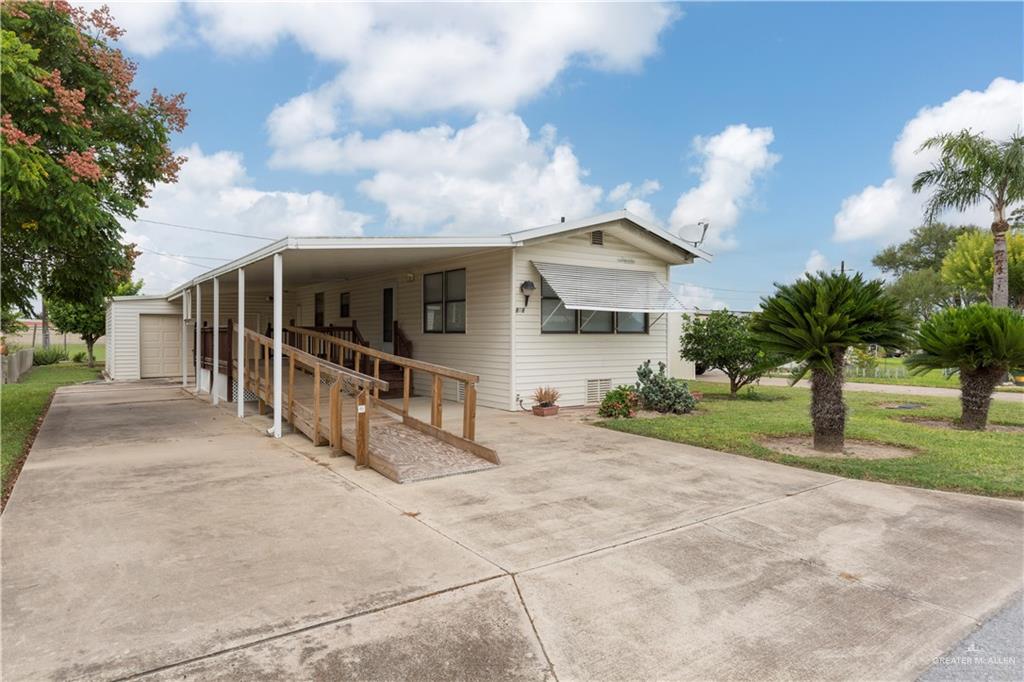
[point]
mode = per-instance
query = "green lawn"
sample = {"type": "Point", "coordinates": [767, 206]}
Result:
{"type": "Point", "coordinates": [21, 405]}
{"type": "Point", "coordinates": [99, 350]}
{"type": "Point", "coordinates": [987, 463]}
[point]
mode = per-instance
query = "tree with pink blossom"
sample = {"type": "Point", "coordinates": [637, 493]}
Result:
{"type": "Point", "coordinates": [80, 151]}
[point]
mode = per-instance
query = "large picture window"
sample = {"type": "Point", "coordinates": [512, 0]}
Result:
{"type": "Point", "coordinates": [555, 319]}
{"type": "Point", "coordinates": [444, 302]}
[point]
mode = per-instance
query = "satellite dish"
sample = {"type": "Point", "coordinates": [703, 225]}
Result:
{"type": "Point", "coordinates": [703, 224]}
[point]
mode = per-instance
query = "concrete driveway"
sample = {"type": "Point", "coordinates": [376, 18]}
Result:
{"type": "Point", "coordinates": [152, 535]}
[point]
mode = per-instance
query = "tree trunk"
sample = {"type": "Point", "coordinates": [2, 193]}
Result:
{"type": "Point", "coordinates": [828, 412]}
{"type": "Point", "coordinates": [45, 325]}
{"type": "Point", "coordinates": [733, 386]}
{"type": "Point", "coordinates": [1000, 275]}
{"type": "Point", "coordinates": [976, 388]}
{"type": "Point", "coordinates": [88, 347]}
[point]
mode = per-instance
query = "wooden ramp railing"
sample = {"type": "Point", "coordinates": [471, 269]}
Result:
{"type": "Point", "coordinates": [353, 395]}
{"type": "Point", "coordinates": [368, 361]}
{"type": "Point", "coordinates": [307, 413]}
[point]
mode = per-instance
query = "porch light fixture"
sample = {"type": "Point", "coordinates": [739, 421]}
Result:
{"type": "Point", "coordinates": [527, 288]}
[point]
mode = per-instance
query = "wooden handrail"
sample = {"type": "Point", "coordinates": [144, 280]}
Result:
{"type": "Point", "coordinates": [358, 378]}
{"type": "Point", "coordinates": [403, 346]}
{"type": "Point", "coordinates": [447, 372]}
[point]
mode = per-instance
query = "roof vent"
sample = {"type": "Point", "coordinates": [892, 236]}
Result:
{"type": "Point", "coordinates": [597, 238]}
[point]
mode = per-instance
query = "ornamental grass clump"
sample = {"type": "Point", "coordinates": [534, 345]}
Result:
{"type": "Point", "coordinates": [980, 342]}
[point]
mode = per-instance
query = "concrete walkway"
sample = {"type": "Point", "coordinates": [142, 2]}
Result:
{"type": "Point", "coordinates": [933, 391]}
{"type": "Point", "coordinates": [153, 535]}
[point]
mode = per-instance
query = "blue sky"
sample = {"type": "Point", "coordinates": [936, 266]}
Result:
{"type": "Point", "coordinates": [317, 121]}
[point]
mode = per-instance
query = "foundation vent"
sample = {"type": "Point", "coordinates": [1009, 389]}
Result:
{"type": "Point", "coordinates": [597, 238]}
{"type": "Point", "coordinates": [596, 390]}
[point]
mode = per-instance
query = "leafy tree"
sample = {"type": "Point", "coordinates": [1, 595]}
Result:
{"type": "Point", "coordinates": [724, 341]}
{"type": "Point", "coordinates": [813, 322]}
{"type": "Point", "coordinates": [914, 268]}
{"type": "Point", "coordinates": [88, 320]}
{"type": "Point", "coordinates": [80, 151]}
{"type": "Point", "coordinates": [968, 266]}
{"type": "Point", "coordinates": [9, 322]}
{"type": "Point", "coordinates": [982, 343]}
{"type": "Point", "coordinates": [927, 246]}
{"type": "Point", "coordinates": [973, 169]}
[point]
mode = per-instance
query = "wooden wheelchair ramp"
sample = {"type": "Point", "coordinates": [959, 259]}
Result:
{"type": "Point", "coordinates": [341, 409]}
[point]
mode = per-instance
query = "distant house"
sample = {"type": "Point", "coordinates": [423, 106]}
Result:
{"type": "Point", "coordinates": [575, 305]}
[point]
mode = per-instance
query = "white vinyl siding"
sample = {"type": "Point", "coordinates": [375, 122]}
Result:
{"type": "Point", "coordinates": [483, 349]}
{"type": "Point", "coordinates": [568, 361]}
{"type": "Point", "coordinates": [123, 356]}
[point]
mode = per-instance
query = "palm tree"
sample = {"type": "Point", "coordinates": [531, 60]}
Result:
{"type": "Point", "coordinates": [973, 169]}
{"type": "Point", "coordinates": [980, 342]}
{"type": "Point", "coordinates": [813, 322]}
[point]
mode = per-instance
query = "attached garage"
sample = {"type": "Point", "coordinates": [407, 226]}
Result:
{"type": "Point", "coordinates": [159, 346]}
{"type": "Point", "coordinates": [144, 338]}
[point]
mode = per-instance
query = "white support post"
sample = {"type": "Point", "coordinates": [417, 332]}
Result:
{"type": "Point", "coordinates": [199, 338]}
{"type": "Point", "coordinates": [240, 373]}
{"type": "Point", "coordinates": [215, 340]}
{"type": "Point", "coordinates": [184, 338]}
{"type": "Point", "coordinates": [278, 304]}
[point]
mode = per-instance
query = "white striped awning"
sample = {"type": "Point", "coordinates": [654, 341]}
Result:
{"type": "Point", "coordinates": [626, 291]}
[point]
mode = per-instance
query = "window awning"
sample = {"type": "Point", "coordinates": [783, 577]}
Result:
{"type": "Point", "coordinates": [627, 291]}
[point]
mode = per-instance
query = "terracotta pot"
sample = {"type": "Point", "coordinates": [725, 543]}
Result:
{"type": "Point", "coordinates": [548, 411]}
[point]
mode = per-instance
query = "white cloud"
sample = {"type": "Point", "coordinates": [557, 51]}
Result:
{"type": "Point", "coordinates": [626, 191]}
{"type": "Point", "coordinates": [213, 191]}
{"type": "Point", "coordinates": [420, 58]}
{"type": "Point", "coordinates": [150, 27]}
{"type": "Point", "coordinates": [701, 298]}
{"type": "Point", "coordinates": [816, 262]}
{"type": "Point", "coordinates": [730, 163]}
{"type": "Point", "coordinates": [489, 176]}
{"type": "Point", "coordinates": [643, 209]}
{"type": "Point", "coordinates": [887, 212]}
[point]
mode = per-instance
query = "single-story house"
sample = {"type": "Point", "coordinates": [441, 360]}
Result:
{"type": "Point", "coordinates": [575, 305]}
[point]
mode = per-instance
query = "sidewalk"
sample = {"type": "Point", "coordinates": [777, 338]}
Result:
{"type": "Point", "coordinates": [933, 391]}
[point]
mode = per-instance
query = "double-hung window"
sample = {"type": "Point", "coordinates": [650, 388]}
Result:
{"type": "Point", "coordinates": [318, 309]}
{"type": "Point", "coordinates": [444, 302]}
{"type": "Point", "coordinates": [345, 305]}
{"type": "Point", "coordinates": [556, 319]}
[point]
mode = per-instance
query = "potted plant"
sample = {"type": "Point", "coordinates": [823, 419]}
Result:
{"type": "Point", "coordinates": [544, 400]}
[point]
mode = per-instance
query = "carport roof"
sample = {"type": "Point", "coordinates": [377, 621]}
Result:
{"type": "Point", "coordinates": [312, 259]}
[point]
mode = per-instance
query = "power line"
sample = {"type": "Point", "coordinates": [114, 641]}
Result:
{"type": "Point", "coordinates": [204, 229]}
{"type": "Point", "coordinates": [183, 255]}
{"type": "Point", "coordinates": [738, 291]}
{"type": "Point", "coordinates": [181, 260]}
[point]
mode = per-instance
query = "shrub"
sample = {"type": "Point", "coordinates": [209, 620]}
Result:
{"type": "Point", "coordinates": [982, 343]}
{"type": "Point", "coordinates": [724, 341]}
{"type": "Point", "coordinates": [662, 393]}
{"type": "Point", "coordinates": [79, 357]}
{"type": "Point", "coordinates": [862, 359]}
{"type": "Point", "coordinates": [546, 396]}
{"type": "Point", "coordinates": [622, 401]}
{"type": "Point", "coordinates": [49, 356]}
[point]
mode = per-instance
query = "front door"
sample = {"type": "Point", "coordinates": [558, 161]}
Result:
{"type": "Point", "coordinates": [387, 316]}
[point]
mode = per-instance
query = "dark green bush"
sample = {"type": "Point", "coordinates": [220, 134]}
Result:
{"type": "Point", "coordinates": [79, 357]}
{"type": "Point", "coordinates": [49, 356]}
{"type": "Point", "coordinates": [662, 393]}
{"type": "Point", "coordinates": [622, 401]}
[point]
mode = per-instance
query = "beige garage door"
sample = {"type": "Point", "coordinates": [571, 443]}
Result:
{"type": "Point", "coordinates": [159, 345]}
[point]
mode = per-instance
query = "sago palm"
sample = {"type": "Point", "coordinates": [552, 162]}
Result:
{"type": "Point", "coordinates": [973, 169]}
{"type": "Point", "coordinates": [982, 343]}
{"type": "Point", "coordinates": [813, 322]}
